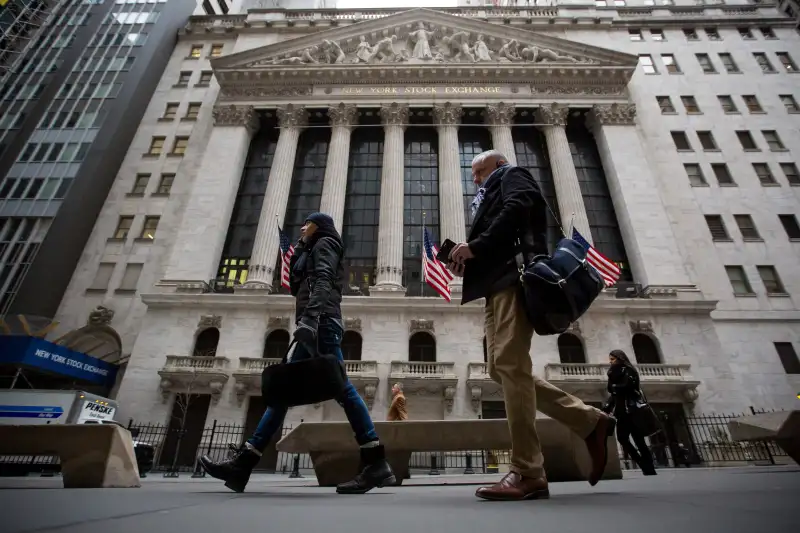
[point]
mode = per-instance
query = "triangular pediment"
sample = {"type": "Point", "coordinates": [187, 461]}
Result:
{"type": "Point", "coordinates": [426, 38]}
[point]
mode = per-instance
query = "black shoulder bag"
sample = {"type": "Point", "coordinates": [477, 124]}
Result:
{"type": "Point", "coordinates": [642, 416]}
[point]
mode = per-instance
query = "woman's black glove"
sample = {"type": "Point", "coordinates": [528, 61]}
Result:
{"type": "Point", "coordinates": [306, 332]}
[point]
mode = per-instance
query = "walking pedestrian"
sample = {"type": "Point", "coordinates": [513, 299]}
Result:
{"type": "Point", "coordinates": [397, 411]}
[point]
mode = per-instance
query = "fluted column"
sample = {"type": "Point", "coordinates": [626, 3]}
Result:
{"type": "Point", "coordinates": [390, 229]}
{"type": "Point", "coordinates": [568, 190]}
{"type": "Point", "coordinates": [343, 118]}
{"type": "Point", "coordinates": [292, 120]}
{"type": "Point", "coordinates": [500, 118]}
{"type": "Point", "coordinates": [201, 235]}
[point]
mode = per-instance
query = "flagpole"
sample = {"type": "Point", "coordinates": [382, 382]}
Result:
{"type": "Point", "coordinates": [422, 265]}
{"type": "Point", "coordinates": [571, 226]}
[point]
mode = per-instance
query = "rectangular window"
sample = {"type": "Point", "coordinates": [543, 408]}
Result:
{"type": "Point", "coordinates": [205, 78]}
{"type": "Point", "coordinates": [165, 185]}
{"type": "Point", "coordinates": [727, 104]}
{"type": "Point", "coordinates": [746, 140]}
{"type": "Point", "coordinates": [790, 171]}
{"type": "Point", "coordinates": [690, 104]}
{"type": "Point", "coordinates": [102, 277]}
{"type": "Point", "coordinates": [170, 111]}
{"type": "Point", "coordinates": [670, 63]}
{"type": "Point", "coordinates": [705, 63]}
{"type": "Point", "coordinates": [665, 103]}
{"type": "Point", "coordinates": [746, 33]}
{"type": "Point", "coordinates": [691, 34]}
{"type": "Point", "coordinates": [647, 64]}
{"type": "Point", "coordinates": [27, 153]}
{"type": "Point", "coordinates": [771, 280]}
{"type": "Point", "coordinates": [717, 228]}
{"type": "Point", "coordinates": [681, 141]}
{"type": "Point", "coordinates": [764, 174]}
{"type": "Point", "coordinates": [788, 357]}
{"type": "Point", "coordinates": [790, 103]}
{"type": "Point", "coordinates": [635, 35]}
{"type": "Point", "coordinates": [786, 61]}
{"type": "Point", "coordinates": [130, 279]}
{"type": "Point", "coordinates": [723, 175]}
{"type": "Point", "coordinates": [184, 78]}
{"type": "Point", "coordinates": [763, 62]}
{"type": "Point", "coordinates": [738, 279]}
{"type": "Point", "coordinates": [713, 34]}
{"type": "Point", "coordinates": [196, 51]}
{"type": "Point", "coordinates": [773, 140]}
{"type": "Point", "coordinates": [752, 103]}
{"type": "Point", "coordinates": [790, 226]}
{"type": "Point", "coordinates": [156, 145]}
{"type": "Point", "coordinates": [55, 152]}
{"type": "Point", "coordinates": [140, 184]}
{"type": "Point", "coordinates": [729, 64]}
{"type": "Point", "coordinates": [767, 32]}
{"type": "Point", "coordinates": [192, 111]}
{"type": "Point", "coordinates": [179, 147]}
{"type": "Point", "coordinates": [657, 35]}
{"type": "Point", "coordinates": [707, 140]}
{"type": "Point", "coordinates": [747, 227]}
{"type": "Point", "coordinates": [216, 50]}
{"type": "Point", "coordinates": [41, 152]}
{"type": "Point", "coordinates": [149, 228]}
{"type": "Point", "coordinates": [695, 175]}
{"type": "Point", "coordinates": [123, 227]}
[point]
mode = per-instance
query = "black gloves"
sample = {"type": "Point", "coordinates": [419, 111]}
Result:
{"type": "Point", "coordinates": [306, 332]}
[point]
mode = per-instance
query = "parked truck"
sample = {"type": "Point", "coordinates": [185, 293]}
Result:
{"type": "Point", "coordinates": [35, 407]}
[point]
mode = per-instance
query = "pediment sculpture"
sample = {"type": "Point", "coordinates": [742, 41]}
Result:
{"type": "Point", "coordinates": [420, 44]}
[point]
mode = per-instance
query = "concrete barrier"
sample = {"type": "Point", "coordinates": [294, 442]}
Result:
{"type": "Point", "coordinates": [92, 455]}
{"type": "Point", "coordinates": [782, 427]}
{"type": "Point", "coordinates": [334, 451]}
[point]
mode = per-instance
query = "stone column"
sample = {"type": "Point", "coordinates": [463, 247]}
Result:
{"type": "Point", "coordinates": [292, 119]}
{"type": "Point", "coordinates": [500, 118]}
{"type": "Point", "coordinates": [568, 191]}
{"type": "Point", "coordinates": [390, 229]}
{"type": "Point", "coordinates": [202, 231]}
{"type": "Point", "coordinates": [343, 118]}
{"type": "Point", "coordinates": [651, 246]}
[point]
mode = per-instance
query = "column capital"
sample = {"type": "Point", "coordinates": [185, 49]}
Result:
{"type": "Point", "coordinates": [394, 114]}
{"type": "Point", "coordinates": [236, 115]}
{"type": "Point", "coordinates": [500, 114]}
{"type": "Point", "coordinates": [292, 116]}
{"type": "Point", "coordinates": [553, 115]}
{"type": "Point", "coordinates": [611, 115]}
{"type": "Point", "coordinates": [447, 114]}
{"type": "Point", "coordinates": [343, 115]}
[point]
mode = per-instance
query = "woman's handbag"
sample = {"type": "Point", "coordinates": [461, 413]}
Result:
{"type": "Point", "coordinates": [316, 379]}
{"type": "Point", "coordinates": [643, 418]}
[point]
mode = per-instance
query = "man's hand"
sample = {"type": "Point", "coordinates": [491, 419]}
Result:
{"type": "Point", "coordinates": [456, 269]}
{"type": "Point", "coordinates": [461, 253]}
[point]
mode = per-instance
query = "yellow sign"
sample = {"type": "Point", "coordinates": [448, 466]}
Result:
{"type": "Point", "coordinates": [3, 2]}
{"type": "Point", "coordinates": [421, 91]}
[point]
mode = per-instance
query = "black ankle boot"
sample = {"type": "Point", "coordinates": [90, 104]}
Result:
{"type": "Point", "coordinates": [376, 473]}
{"type": "Point", "coordinates": [235, 472]}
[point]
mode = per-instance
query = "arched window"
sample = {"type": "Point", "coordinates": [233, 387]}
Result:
{"type": "Point", "coordinates": [570, 349]}
{"type": "Point", "coordinates": [485, 351]}
{"type": "Point", "coordinates": [351, 346]}
{"type": "Point", "coordinates": [422, 348]}
{"type": "Point", "coordinates": [276, 344]}
{"type": "Point", "coordinates": [645, 350]}
{"type": "Point", "coordinates": [206, 343]}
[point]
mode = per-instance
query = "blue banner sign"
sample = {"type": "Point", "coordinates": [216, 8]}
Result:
{"type": "Point", "coordinates": [44, 355]}
{"type": "Point", "coordinates": [30, 411]}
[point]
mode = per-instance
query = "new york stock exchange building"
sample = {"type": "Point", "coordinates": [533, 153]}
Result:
{"type": "Point", "coordinates": [374, 117]}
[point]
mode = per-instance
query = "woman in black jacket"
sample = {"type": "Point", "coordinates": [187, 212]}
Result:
{"type": "Point", "coordinates": [623, 385]}
{"type": "Point", "coordinates": [316, 283]}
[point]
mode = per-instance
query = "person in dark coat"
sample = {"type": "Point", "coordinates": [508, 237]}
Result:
{"type": "Point", "coordinates": [316, 271]}
{"type": "Point", "coordinates": [623, 386]}
{"type": "Point", "coordinates": [510, 206]}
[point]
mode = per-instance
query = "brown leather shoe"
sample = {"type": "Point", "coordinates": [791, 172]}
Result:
{"type": "Point", "coordinates": [597, 443]}
{"type": "Point", "coordinates": [515, 487]}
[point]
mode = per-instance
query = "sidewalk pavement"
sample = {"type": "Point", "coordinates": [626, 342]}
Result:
{"type": "Point", "coordinates": [733, 500]}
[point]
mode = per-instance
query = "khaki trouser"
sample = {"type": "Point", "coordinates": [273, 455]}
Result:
{"type": "Point", "coordinates": [508, 344]}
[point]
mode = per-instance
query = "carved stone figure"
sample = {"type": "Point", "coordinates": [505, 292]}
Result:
{"type": "Point", "coordinates": [459, 43]}
{"type": "Point", "coordinates": [384, 50]}
{"type": "Point", "coordinates": [101, 316]}
{"type": "Point", "coordinates": [333, 52]}
{"type": "Point", "coordinates": [482, 52]}
{"type": "Point", "coordinates": [364, 50]}
{"type": "Point", "coordinates": [509, 51]}
{"type": "Point", "coordinates": [421, 39]}
{"type": "Point", "coordinates": [534, 54]}
{"type": "Point", "coordinates": [306, 56]}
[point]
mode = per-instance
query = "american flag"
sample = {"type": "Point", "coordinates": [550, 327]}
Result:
{"type": "Point", "coordinates": [608, 270]}
{"type": "Point", "coordinates": [287, 251]}
{"type": "Point", "coordinates": [434, 272]}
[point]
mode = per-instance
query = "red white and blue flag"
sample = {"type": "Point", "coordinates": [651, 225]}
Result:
{"type": "Point", "coordinates": [434, 271]}
{"type": "Point", "coordinates": [287, 251]}
{"type": "Point", "coordinates": [608, 270]}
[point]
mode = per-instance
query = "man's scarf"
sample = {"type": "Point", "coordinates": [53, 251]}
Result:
{"type": "Point", "coordinates": [478, 200]}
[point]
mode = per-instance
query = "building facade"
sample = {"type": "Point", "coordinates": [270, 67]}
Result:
{"type": "Point", "coordinates": [667, 135]}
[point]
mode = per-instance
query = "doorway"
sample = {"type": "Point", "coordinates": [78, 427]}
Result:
{"type": "Point", "coordinates": [186, 426]}
{"type": "Point", "coordinates": [255, 410]}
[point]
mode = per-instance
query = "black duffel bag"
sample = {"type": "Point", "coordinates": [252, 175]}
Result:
{"type": "Point", "coordinates": [642, 417]}
{"type": "Point", "coordinates": [559, 288]}
{"type": "Point", "coordinates": [316, 379]}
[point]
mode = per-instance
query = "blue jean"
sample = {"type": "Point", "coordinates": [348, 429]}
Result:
{"type": "Point", "coordinates": [329, 339]}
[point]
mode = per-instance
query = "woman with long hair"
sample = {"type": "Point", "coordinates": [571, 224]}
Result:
{"type": "Point", "coordinates": [623, 386]}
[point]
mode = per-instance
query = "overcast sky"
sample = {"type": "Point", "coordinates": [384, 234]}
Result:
{"type": "Point", "coordinates": [349, 4]}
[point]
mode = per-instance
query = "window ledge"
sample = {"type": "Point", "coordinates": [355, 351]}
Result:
{"type": "Point", "coordinates": [722, 240]}
{"type": "Point", "coordinates": [733, 112]}
{"type": "Point", "coordinates": [745, 295]}
{"type": "Point", "coordinates": [778, 149]}
{"type": "Point", "coordinates": [125, 291]}
{"type": "Point", "coordinates": [771, 184]}
{"type": "Point", "coordinates": [704, 72]}
{"type": "Point", "coordinates": [165, 119]}
{"type": "Point", "coordinates": [735, 72]}
{"type": "Point", "coordinates": [706, 185]}
{"type": "Point", "coordinates": [794, 239]}
{"type": "Point", "coordinates": [694, 112]}
{"type": "Point", "coordinates": [160, 194]}
{"type": "Point", "coordinates": [752, 149]}
{"type": "Point", "coordinates": [669, 112]}
{"type": "Point", "coordinates": [778, 294]}
{"type": "Point", "coordinates": [114, 239]}
{"type": "Point", "coordinates": [675, 73]}
{"type": "Point", "coordinates": [134, 195]}
{"type": "Point", "coordinates": [190, 58]}
{"type": "Point", "coordinates": [793, 111]}
{"type": "Point", "coordinates": [143, 240]}
{"type": "Point", "coordinates": [752, 239]}
{"type": "Point", "coordinates": [757, 112]}
{"type": "Point", "coordinates": [685, 150]}
{"type": "Point", "coordinates": [148, 155]}
{"type": "Point", "coordinates": [201, 85]}
{"type": "Point", "coordinates": [91, 290]}
{"type": "Point", "coordinates": [180, 86]}
{"type": "Point", "coordinates": [711, 150]}
{"type": "Point", "coordinates": [171, 154]}
{"type": "Point", "coordinates": [188, 119]}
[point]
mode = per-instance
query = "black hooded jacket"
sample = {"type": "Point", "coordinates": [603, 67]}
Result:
{"type": "Point", "coordinates": [317, 269]}
{"type": "Point", "coordinates": [623, 386]}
